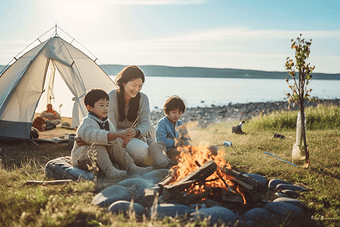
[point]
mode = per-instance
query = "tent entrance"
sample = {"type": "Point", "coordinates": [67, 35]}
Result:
{"type": "Point", "coordinates": [56, 93]}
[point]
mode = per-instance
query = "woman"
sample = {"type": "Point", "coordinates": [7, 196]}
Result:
{"type": "Point", "coordinates": [128, 107]}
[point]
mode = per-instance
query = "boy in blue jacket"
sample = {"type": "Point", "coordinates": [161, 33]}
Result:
{"type": "Point", "coordinates": [170, 130]}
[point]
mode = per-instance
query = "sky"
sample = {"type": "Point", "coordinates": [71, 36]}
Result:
{"type": "Point", "coordinates": [240, 34]}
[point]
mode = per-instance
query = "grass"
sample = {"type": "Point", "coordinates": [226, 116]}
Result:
{"type": "Point", "coordinates": [70, 204]}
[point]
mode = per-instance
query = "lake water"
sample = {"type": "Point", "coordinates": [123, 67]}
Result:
{"type": "Point", "coordinates": [204, 92]}
{"type": "Point", "coordinates": [221, 91]}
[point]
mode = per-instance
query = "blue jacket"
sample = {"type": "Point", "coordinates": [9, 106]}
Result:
{"type": "Point", "coordinates": [166, 132]}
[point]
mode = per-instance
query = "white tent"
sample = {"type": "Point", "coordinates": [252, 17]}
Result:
{"type": "Point", "coordinates": [22, 84]}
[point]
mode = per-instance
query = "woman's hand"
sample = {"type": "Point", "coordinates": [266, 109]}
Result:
{"type": "Point", "coordinates": [79, 141]}
{"type": "Point", "coordinates": [126, 141]}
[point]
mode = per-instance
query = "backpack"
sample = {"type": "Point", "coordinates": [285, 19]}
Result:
{"type": "Point", "coordinates": [39, 123]}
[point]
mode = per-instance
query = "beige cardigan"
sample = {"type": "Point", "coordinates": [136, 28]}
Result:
{"type": "Point", "coordinates": [143, 123]}
{"type": "Point", "coordinates": [90, 132]}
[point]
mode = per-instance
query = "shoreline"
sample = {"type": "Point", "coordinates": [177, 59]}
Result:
{"type": "Point", "coordinates": [236, 112]}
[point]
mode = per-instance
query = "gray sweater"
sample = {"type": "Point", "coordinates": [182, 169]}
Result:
{"type": "Point", "coordinates": [143, 123]}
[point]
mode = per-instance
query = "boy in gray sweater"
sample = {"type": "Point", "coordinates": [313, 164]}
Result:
{"type": "Point", "coordinates": [97, 134]}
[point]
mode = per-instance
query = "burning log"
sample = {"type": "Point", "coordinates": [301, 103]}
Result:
{"type": "Point", "coordinates": [212, 197]}
{"type": "Point", "coordinates": [252, 189]}
{"type": "Point", "coordinates": [240, 179]}
{"type": "Point", "coordinates": [228, 197]}
{"type": "Point", "coordinates": [199, 175]}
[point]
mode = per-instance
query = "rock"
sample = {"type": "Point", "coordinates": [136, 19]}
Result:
{"type": "Point", "coordinates": [283, 209]}
{"type": "Point", "coordinates": [172, 210]}
{"type": "Point", "coordinates": [290, 193]}
{"type": "Point", "coordinates": [217, 214]}
{"type": "Point", "coordinates": [290, 187]}
{"type": "Point", "coordinates": [292, 201]}
{"type": "Point", "coordinates": [261, 179]}
{"type": "Point", "coordinates": [156, 176]}
{"type": "Point", "coordinates": [136, 187]}
{"type": "Point", "coordinates": [111, 194]}
{"type": "Point", "coordinates": [273, 182]}
{"type": "Point", "coordinates": [140, 182]}
{"type": "Point", "coordinates": [255, 213]}
{"type": "Point", "coordinates": [122, 206]}
{"type": "Point", "coordinates": [279, 194]}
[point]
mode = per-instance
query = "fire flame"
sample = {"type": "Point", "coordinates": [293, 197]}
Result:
{"type": "Point", "coordinates": [190, 160]}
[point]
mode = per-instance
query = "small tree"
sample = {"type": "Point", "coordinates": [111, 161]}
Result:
{"type": "Point", "coordinates": [299, 86]}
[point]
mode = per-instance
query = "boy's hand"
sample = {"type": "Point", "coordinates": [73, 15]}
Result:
{"type": "Point", "coordinates": [128, 133]}
{"type": "Point", "coordinates": [179, 142]}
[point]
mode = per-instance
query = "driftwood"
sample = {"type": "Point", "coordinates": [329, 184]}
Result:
{"type": "Point", "coordinates": [53, 182]}
{"type": "Point", "coordinates": [199, 175]}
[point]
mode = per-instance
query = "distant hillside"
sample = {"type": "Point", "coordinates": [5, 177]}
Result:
{"type": "Point", "coordinates": [169, 71]}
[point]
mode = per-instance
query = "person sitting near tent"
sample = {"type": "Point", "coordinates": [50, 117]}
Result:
{"type": "Point", "coordinates": [129, 107]}
{"type": "Point", "coordinates": [50, 115]}
{"type": "Point", "coordinates": [102, 140]}
{"type": "Point", "coordinates": [170, 130]}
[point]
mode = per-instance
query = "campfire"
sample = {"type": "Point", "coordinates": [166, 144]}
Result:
{"type": "Point", "coordinates": [201, 177]}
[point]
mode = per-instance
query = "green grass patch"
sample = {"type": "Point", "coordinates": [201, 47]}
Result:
{"type": "Point", "coordinates": [70, 204]}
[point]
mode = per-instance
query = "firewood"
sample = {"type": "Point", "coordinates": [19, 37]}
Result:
{"type": "Point", "coordinates": [199, 175]}
{"type": "Point", "coordinates": [240, 179]}
{"type": "Point", "coordinates": [149, 197]}
{"type": "Point", "coordinates": [168, 179]}
{"type": "Point", "coordinates": [228, 196]}
{"type": "Point", "coordinates": [173, 191]}
{"type": "Point", "coordinates": [193, 198]}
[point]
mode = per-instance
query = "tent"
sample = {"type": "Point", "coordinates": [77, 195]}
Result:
{"type": "Point", "coordinates": [23, 83]}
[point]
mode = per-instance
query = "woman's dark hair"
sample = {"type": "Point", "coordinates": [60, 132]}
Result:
{"type": "Point", "coordinates": [173, 103]}
{"type": "Point", "coordinates": [124, 76]}
{"type": "Point", "coordinates": [95, 95]}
